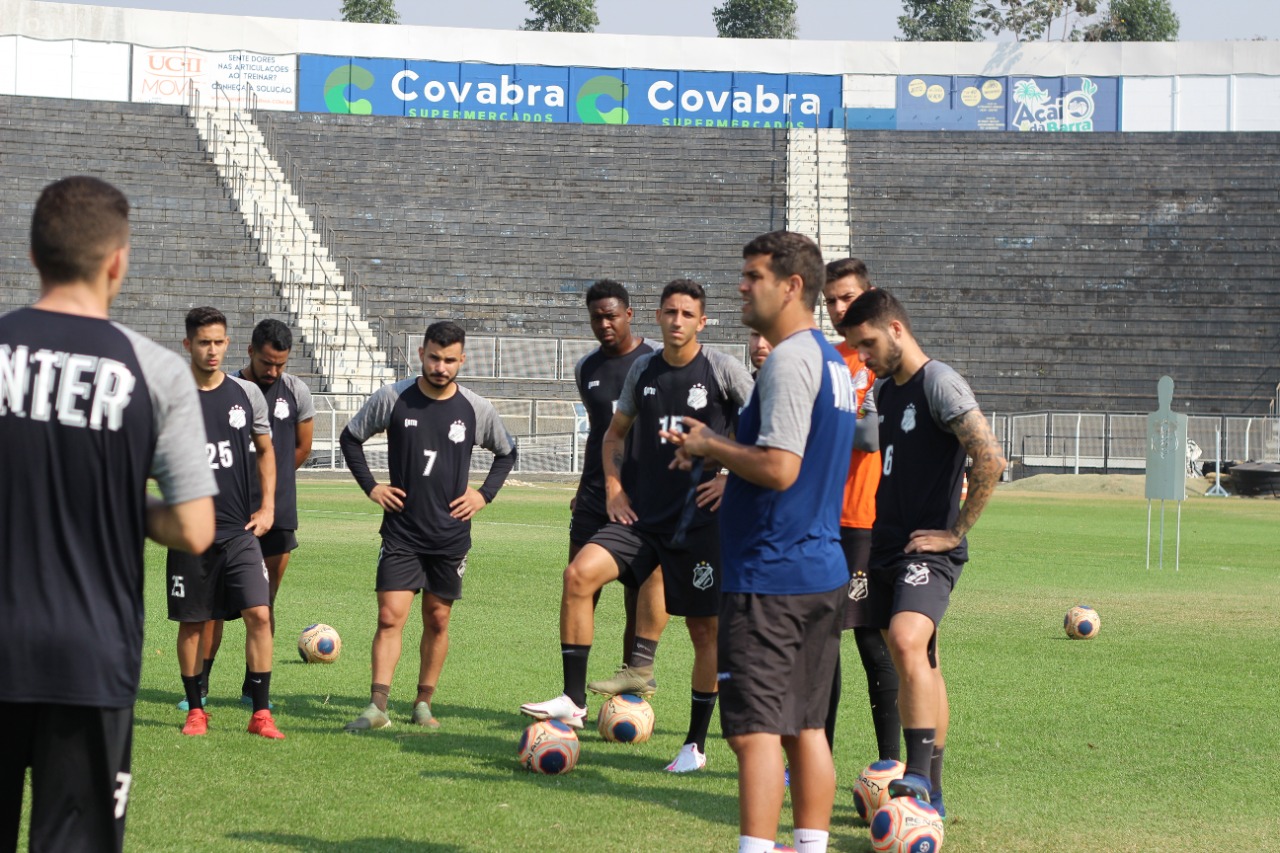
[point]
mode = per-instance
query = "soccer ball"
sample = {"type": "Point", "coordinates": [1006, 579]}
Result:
{"type": "Point", "coordinates": [625, 718]}
{"type": "Point", "coordinates": [872, 788]}
{"type": "Point", "coordinates": [906, 825]}
{"type": "Point", "coordinates": [1082, 622]}
{"type": "Point", "coordinates": [549, 747]}
{"type": "Point", "coordinates": [319, 644]}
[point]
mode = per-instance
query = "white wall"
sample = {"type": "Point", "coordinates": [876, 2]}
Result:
{"type": "Point", "coordinates": [64, 69]}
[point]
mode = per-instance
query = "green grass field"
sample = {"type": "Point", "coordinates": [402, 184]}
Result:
{"type": "Point", "coordinates": [1161, 734]}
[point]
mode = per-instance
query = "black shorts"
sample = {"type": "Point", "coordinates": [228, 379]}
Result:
{"type": "Point", "coordinates": [585, 523]}
{"type": "Point", "coordinates": [856, 544]}
{"type": "Point", "coordinates": [438, 574]}
{"type": "Point", "coordinates": [277, 541]}
{"type": "Point", "coordinates": [777, 659]}
{"type": "Point", "coordinates": [916, 583]}
{"type": "Point", "coordinates": [690, 575]}
{"type": "Point", "coordinates": [79, 758]}
{"type": "Point", "coordinates": [228, 578]}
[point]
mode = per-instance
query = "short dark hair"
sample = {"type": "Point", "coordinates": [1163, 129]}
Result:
{"type": "Point", "coordinates": [687, 287]}
{"type": "Point", "coordinates": [792, 254]}
{"type": "Point", "coordinates": [445, 333]}
{"type": "Point", "coordinates": [877, 307]}
{"type": "Point", "coordinates": [77, 223]}
{"type": "Point", "coordinates": [272, 331]}
{"type": "Point", "coordinates": [844, 267]}
{"type": "Point", "coordinates": [607, 288]}
{"type": "Point", "coordinates": [198, 318]}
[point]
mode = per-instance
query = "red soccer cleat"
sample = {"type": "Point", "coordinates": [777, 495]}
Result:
{"type": "Point", "coordinates": [261, 723]}
{"type": "Point", "coordinates": [197, 722]}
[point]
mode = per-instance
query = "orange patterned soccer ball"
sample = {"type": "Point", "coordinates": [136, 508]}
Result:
{"type": "Point", "coordinates": [625, 718]}
{"type": "Point", "coordinates": [906, 825]}
{"type": "Point", "coordinates": [319, 644]}
{"type": "Point", "coordinates": [549, 747]}
{"type": "Point", "coordinates": [872, 788]}
{"type": "Point", "coordinates": [1082, 622]}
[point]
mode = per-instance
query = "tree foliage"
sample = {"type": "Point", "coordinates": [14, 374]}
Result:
{"type": "Point", "coordinates": [370, 12]}
{"type": "Point", "coordinates": [1136, 20]}
{"type": "Point", "coordinates": [1031, 19]}
{"type": "Point", "coordinates": [756, 19]}
{"type": "Point", "coordinates": [938, 20]}
{"type": "Point", "coordinates": [562, 16]}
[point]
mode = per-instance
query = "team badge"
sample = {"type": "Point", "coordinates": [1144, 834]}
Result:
{"type": "Point", "coordinates": [860, 380]}
{"type": "Point", "coordinates": [457, 432]}
{"type": "Point", "coordinates": [858, 587]}
{"type": "Point", "coordinates": [909, 418]}
{"type": "Point", "coordinates": [917, 574]}
{"type": "Point", "coordinates": [462, 567]}
{"type": "Point", "coordinates": [703, 576]}
{"type": "Point", "coordinates": [697, 397]}
{"type": "Point", "coordinates": [236, 417]}
{"type": "Point", "coordinates": [282, 408]}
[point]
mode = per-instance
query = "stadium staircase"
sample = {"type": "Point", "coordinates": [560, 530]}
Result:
{"type": "Point", "coordinates": [294, 247]}
{"type": "Point", "coordinates": [188, 246]}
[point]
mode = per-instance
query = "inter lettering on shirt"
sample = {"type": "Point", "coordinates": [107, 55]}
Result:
{"type": "Point", "coordinates": [45, 383]}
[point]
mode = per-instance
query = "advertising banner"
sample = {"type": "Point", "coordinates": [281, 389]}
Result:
{"type": "Point", "coordinates": [1032, 104]}
{"type": "Point", "coordinates": [468, 90]}
{"type": "Point", "coordinates": [166, 76]}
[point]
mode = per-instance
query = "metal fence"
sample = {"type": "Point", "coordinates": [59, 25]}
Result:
{"type": "Point", "coordinates": [551, 435]}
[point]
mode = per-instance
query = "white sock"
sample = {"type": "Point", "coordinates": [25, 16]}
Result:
{"type": "Point", "coordinates": [750, 844]}
{"type": "Point", "coordinates": [811, 840]}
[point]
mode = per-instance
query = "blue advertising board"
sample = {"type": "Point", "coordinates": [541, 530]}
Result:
{"type": "Point", "coordinates": [1033, 104]}
{"type": "Point", "coordinates": [471, 90]}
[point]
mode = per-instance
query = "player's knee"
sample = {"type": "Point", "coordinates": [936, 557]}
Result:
{"type": "Point", "coordinates": [256, 618]}
{"type": "Point", "coordinates": [581, 579]}
{"type": "Point", "coordinates": [703, 632]}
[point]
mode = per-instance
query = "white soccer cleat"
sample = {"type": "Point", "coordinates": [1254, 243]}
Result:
{"type": "Point", "coordinates": [560, 708]}
{"type": "Point", "coordinates": [688, 760]}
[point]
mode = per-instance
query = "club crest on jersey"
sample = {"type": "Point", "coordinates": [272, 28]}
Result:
{"type": "Point", "coordinates": [703, 575]}
{"type": "Point", "coordinates": [282, 408]}
{"type": "Point", "coordinates": [457, 432]}
{"type": "Point", "coordinates": [697, 397]}
{"type": "Point", "coordinates": [858, 587]}
{"type": "Point", "coordinates": [909, 418]}
{"type": "Point", "coordinates": [917, 574]}
{"type": "Point", "coordinates": [236, 417]}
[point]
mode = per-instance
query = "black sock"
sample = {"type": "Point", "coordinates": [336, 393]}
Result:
{"type": "Point", "coordinates": [574, 659]}
{"type": "Point", "coordinates": [882, 690]}
{"type": "Point", "coordinates": [378, 694]}
{"type": "Point", "coordinates": [204, 676]}
{"type": "Point", "coordinates": [260, 690]}
{"type": "Point", "coordinates": [643, 651]}
{"type": "Point", "coordinates": [833, 707]}
{"type": "Point", "coordinates": [700, 711]}
{"type": "Point", "coordinates": [935, 770]}
{"type": "Point", "coordinates": [191, 687]}
{"type": "Point", "coordinates": [246, 688]}
{"type": "Point", "coordinates": [919, 750]}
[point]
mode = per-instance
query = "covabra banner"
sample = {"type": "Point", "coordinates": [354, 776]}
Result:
{"type": "Point", "coordinates": [538, 93]}
{"type": "Point", "coordinates": [1034, 104]}
{"type": "Point", "coordinates": [167, 76]}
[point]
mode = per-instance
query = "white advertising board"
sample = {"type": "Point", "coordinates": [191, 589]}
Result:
{"type": "Point", "coordinates": [166, 76]}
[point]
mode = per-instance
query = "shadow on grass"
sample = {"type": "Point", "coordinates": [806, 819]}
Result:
{"type": "Point", "coordinates": [307, 842]}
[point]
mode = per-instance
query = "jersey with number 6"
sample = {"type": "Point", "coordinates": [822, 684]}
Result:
{"type": "Point", "coordinates": [234, 412]}
{"type": "Point", "coordinates": [923, 461]}
{"type": "Point", "coordinates": [429, 445]}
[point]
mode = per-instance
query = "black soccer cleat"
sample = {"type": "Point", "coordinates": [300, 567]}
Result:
{"type": "Point", "coordinates": [911, 785]}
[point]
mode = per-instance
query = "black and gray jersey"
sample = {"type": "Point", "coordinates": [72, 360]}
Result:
{"type": "Point", "coordinates": [289, 403]}
{"type": "Point", "coordinates": [922, 460]}
{"type": "Point", "coordinates": [429, 445]}
{"type": "Point", "coordinates": [712, 387]}
{"type": "Point", "coordinates": [88, 411]}
{"type": "Point", "coordinates": [599, 377]}
{"type": "Point", "coordinates": [234, 413]}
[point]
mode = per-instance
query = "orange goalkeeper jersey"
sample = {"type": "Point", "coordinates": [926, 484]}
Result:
{"type": "Point", "coordinates": [864, 470]}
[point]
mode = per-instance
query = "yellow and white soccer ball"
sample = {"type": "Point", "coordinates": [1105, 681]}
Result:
{"type": "Point", "coordinates": [1082, 622]}
{"type": "Point", "coordinates": [625, 718]}
{"type": "Point", "coordinates": [319, 643]}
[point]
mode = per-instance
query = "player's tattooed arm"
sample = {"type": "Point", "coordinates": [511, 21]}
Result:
{"type": "Point", "coordinates": [983, 448]}
{"type": "Point", "coordinates": [613, 451]}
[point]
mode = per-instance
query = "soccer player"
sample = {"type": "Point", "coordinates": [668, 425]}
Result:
{"type": "Point", "coordinates": [785, 574]}
{"type": "Point", "coordinates": [758, 350]}
{"type": "Point", "coordinates": [929, 423]}
{"type": "Point", "coordinates": [88, 410]}
{"type": "Point", "coordinates": [431, 423]}
{"type": "Point", "coordinates": [847, 279]}
{"type": "Point", "coordinates": [599, 375]}
{"type": "Point", "coordinates": [684, 378]}
{"type": "Point", "coordinates": [230, 577]}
